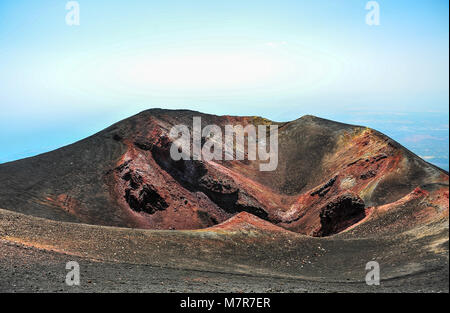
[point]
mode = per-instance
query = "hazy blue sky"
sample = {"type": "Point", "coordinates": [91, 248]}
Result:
{"type": "Point", "coordinates": [278, 59]}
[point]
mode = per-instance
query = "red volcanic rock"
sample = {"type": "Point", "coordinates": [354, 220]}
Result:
{"type": "Point", "coordinates": [246, 221]}
{"type": "Point", "coordinates": [328, 175]}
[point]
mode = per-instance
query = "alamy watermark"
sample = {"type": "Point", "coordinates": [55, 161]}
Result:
{"type": "Point", "coordinates": [210, 144]}
{"type": "Point", "coordinates": [73, 276]}
{"type": "Point", "coordinates": [373, 274]}
{"type": "Point", "coordinates": [373, 16]}
{"type": "Point", "coordinates": [73, 14]}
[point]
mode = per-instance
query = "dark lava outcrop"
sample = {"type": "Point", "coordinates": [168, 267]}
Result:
{"type": "Point", "coordinates": [340, 213]}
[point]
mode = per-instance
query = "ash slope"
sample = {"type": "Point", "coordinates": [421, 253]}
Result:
{"type": "Point", "coordinates": [360, 195]}
{"type": "Point", "coordinates": [243, 254]}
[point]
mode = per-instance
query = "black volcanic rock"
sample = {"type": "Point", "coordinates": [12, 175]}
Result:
{"type": "Point", "coordinates": [340, 213]}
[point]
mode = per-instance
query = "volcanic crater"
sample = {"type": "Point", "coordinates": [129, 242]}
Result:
{"type": "Point", "coordinates": [335, 181]}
